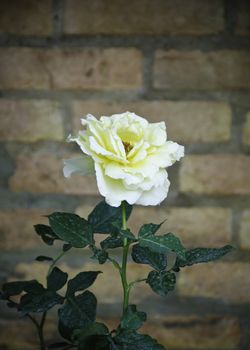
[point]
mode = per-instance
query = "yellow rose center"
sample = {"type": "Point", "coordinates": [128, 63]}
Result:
{"type": "Point", "coordinates": [127, 147]}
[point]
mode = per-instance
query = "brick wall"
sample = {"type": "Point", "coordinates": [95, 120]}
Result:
{"type": "Point", "coordinates": [183, 61]}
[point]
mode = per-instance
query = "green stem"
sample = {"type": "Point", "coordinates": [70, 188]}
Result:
{"type": "Point", "coordinates": [39, 328]}
{"type": "Point", "coordinates": [123, 271]}
{"type": "Point", "coordinates": [54, 263]}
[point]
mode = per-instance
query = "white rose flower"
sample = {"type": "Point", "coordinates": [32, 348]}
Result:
{"type": "Point", "coordinates": [128, 155]}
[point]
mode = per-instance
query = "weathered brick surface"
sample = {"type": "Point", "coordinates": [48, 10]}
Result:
{"type": "Point", "coordinates": [16, 228]}
{"type": "Point", "coordinates": [26, 17]}
{"type": "Point", "coordinates": [210, 120]}
{"type": "Point", "coordinates": [49, 178]}
{"type": "Point", "coordinates": [224, 69]}
{"type": "Point", "coordinates": [30, 120]}
{"type": "Point", "coordinates": [243, 18]}
{"type": "Point", "coordinates": [245, 230]}
{"type": "Point", "coordinates": [215, 174]}
{"type": "Point", "coordinates": [143, 17]}
{"type": "Point", "coordinates": [83, 69]}
{"type": "Point", "coordinates": [226, 281]}
{"type": "Point", "coordinates": [246, 130]}
{"type": "Point", "coordinates": [195, 226]}
{"type": "Point", "coordinates": [209, 332]}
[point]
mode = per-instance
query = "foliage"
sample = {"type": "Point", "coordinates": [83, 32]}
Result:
{"type": "Point", "coordinates": [76, 304]}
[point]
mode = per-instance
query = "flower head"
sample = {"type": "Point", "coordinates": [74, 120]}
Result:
{"type": "Point", "coordinates": [129, 156]}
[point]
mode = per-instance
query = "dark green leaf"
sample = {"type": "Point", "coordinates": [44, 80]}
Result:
{"type": "Point", "coordinates": [143, 255]}
{"type": "Point", "coordinates": [72, 229]}
{"type": "Point", "coordinates": [34, 287]}
{"type": "Point", "coordinates": [162, 244]}
{"type": "Point", "coordinates": [203, 255]}
{"type": "Point", "coordinates": [99, 254]}
{"type": "Point", "coordinates": [56, 279]}
{"type": "Point", "coordinates": [78, 312]}
{"type": "Point", "coordinates": [106, 219]}
{"type": "Point", "coordinates": [127, 234]}
{"type": "Point", "coordinates": [81, 281]}
{"type": "Point", "coordinates": [43, 258]}
{"type": "Point", "coordinates": [149, 229]}
{"type": "Point", "coordinates": [132, 318]}
{"type": "Point", "coordinates": [112, 242]}
{"type": "Point", "coordinates": [93, 337]}
{"type": "Point", "coordinates": [130, 340]}
{"type": "Point", "coordinates": [161, 282]}
{"type": "Point", "coordinates": [46, 233]}
{"type": "Point", "coordinates": [66, 247]}
{"type": "Point", "coordinates": [39, 302]}
{"type": "Point", "coordinates": [14, 288]}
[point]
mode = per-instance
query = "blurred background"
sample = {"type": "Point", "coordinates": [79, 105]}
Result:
{"type": "Point", "coordinates": [183, 61]}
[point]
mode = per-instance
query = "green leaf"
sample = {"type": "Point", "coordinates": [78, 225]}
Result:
{"type": "Point", "coordinates": [143, 255]}
{"type": "Point", "coordinates": [92, 337]}
{"type": "Point", "coordinates": [149, 229]}
{"type": "Point", "coordinates": [56, 279]}
{"type": "Point", "coordinates": [33, 287]}
{"type": "Point", "coordinates": [14, 288]}
{"type": "Point", "coordinates": [128, 234]}
{"type": "Point", "coordinates": [66, 247]}
{"type": "Point", "coordinates": [112, 242]}
{"type": "Point", "coordinates": [72, 229]}
{"type": "Point", "coordinates": [99, 254]}
{"type": "Point", "coordinates": [161, 282]}
{"type": "Point", "coordinates": [132, 318]}
{"type": "Point", "coordinates": [203, 255]}
{"type": "Point", "coordinates": [162, 244]}
{"type": "Point", "coordinates": [81, 281]}
{"type": "Point", "coordinates": [46, 233]}
{"type": "Point", "coordinates": [39, 302]}
{"type": "Point", "coordinates": [43, 258]}
{"type": "Point", "coordinates": [129, 339]}
{"type": "Point", "coordinates": [106, 219]}
{"type": "Point", "coordinates": [78, 312]}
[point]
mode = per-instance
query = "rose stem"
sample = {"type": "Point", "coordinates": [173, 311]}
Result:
{"type": "Point", "coordinates": [123, 272]}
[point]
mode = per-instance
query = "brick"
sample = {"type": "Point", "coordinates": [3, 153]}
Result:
{"type": "Point", "coordinates": [16, 228]}
{"type": "Point", "coordinates": [194, 332]}
{"type": "Point", "coordinates": [143, 17]}
{"type": "Point", "coordinates": [26, 17]}
{"type": "Point", "coordinates": [246, 130]}
{"type": "Point", "coordinates": [180, 70]}
{"type": "Point", "coordinates": [229, 282]}
{"type": "Point", "coordinates": [47, 175]}
{"type": "Point", "coordinates": [245, 230]}
{"type": "Point", "coordinates": [70, 69]}
{"type": "Point", "coordinates": [243, 20]}
{"type": "Point", "coordinates": [30, 120]}
{"type": "Point", "coordinates": [195, 226]}
{"type": "Point", "coordinates": [215, 174]}
{"type": "Point", "coordinates": [210, 120]}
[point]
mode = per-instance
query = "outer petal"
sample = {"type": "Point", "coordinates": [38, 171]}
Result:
{"type": "Point", "coordinates": [114, 190]}
{"type": "Point", "coordinates": [157, 180]}
{"type": "Point", "coordinates": [154, 196]}
{"type": "Point", "coordinates": [167, 155]}
{"type": "Point", "coordinates": [82, 165]}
